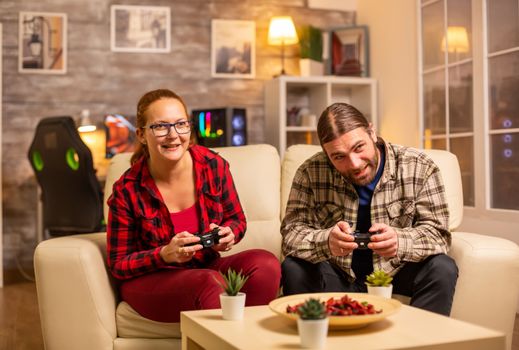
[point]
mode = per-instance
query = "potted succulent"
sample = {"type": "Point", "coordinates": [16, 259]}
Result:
{"type": "Point", "coordinates": [379, 283]}
{"type": "Point", "coordinates": [312, 324]}
{"type": "Point", "coordinates": [311, 50]}
{"type": "Point", "coordinates": [232, 300]}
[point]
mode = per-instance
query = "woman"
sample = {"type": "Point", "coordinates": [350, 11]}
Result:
{"type": "Point", "coordinates": [173, 190]}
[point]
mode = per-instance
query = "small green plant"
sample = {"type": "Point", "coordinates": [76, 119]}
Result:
{"type": "Point", "coordinates": [379, 278]}
{"type": "Point", "coordinates": [311, 43]}
{"type": "Point", "coordinates": [234, 281]}
{"type": "Point", "coordinates": [312, 309]}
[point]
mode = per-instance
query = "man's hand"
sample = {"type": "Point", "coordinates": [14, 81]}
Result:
{"type": "Point", "coordinates": [340, 239]}
{"type": "Point", "coordinates": [385, 242]}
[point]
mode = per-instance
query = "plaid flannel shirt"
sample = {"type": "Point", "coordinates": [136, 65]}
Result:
{"type": "Point", "coordinates": [410, 197]}
{"type": "Point", "coordinates": [139, 222]}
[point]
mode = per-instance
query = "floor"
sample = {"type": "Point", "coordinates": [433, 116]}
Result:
{"type": "Point", "coordinates": [20, 322]}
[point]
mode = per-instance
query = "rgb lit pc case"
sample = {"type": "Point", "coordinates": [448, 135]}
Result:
{"type": "Point", "coordinates": [219, 127]}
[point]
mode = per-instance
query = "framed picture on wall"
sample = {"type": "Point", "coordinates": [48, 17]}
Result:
{"type": "Point", "coordinates": [233, 53]}
{"type": "Point", "coordinates": [140, 28]}
{"type": "Point", "coordinates": [349, 51]}
{"type": "Point", "coordinates": [42, 44]}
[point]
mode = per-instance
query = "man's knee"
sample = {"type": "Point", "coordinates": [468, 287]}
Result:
{"type": "Point", "coordinates": [299, 276]}
{"type": "Point", "coordinates": [291, 265]}
{"type": "Point", "coordinates": [443, 269]}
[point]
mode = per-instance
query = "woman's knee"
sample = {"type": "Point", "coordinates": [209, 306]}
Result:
{"type": "Point", "coordinates": [263, 261]}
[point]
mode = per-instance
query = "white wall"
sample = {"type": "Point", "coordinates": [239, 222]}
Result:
{"type": "Point", "coordinates": [394, 63]}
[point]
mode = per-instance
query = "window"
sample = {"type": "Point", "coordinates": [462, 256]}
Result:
{"type": "Point", "coordinates": [447, 83]}
{"type": "Point", "coordinates": [469, 98]}
{"type": "Point", "coordinates": [502, 65]}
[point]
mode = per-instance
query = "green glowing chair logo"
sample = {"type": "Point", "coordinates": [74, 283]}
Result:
{"type": "Point", "coordinates": [37, 161]}
{"type": "Point", "coordinates": [72, 159]}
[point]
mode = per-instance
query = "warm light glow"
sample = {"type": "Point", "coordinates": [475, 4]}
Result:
{"type": "Point", "coordinates": [86, 128]}
{"type": "Point", "coordinates": [85, 124]}
{"type": "Point", "coordinates": [427, 139]}
{"type": "Point", "coordinates": [96, 142]}
{"type": "Point", "coordinates": [282, 31]}
{"type": "Point", "coordinates": [457, 40]}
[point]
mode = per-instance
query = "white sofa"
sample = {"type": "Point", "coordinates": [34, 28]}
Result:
{"type": "Point", "coordinates": [79, 307]}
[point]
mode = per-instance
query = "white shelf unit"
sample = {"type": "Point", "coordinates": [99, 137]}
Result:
{"type": "Point", "coordinates": [315, 94]}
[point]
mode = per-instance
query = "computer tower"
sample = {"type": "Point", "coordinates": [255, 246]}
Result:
{"type": "Point", "coordinates": [219, 127]}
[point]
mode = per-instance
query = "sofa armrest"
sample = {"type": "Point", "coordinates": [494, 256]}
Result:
{"type": "Point", "coordinates": [76, 298]}
{"type": "Point", "coordinates": [488, 283]}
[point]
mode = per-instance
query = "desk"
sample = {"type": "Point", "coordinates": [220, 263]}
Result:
{"type": "Point", "coordinates": [408, 328]}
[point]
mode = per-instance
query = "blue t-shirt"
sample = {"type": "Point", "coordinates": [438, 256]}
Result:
{"type": "Point", "coordinates": [362, 260]}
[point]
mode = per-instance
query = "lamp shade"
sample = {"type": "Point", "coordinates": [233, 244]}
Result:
{"type": "Point", "coordinates": [85, 124]}
{"type": "Point", "coordinates": [457, 40]}
{"type": "Point", "coordinates": [282, 31]}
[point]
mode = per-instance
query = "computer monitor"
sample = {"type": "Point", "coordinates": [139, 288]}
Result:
{"type": "Point", "coordinates": [120, 134]}
{"type": "Point", "coordinates": [218, 127]}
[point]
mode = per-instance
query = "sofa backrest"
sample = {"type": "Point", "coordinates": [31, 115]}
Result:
{"type": "Point", "coordinates": [446, 161]}
{"type": "Point", "coordinates": [256, 174]}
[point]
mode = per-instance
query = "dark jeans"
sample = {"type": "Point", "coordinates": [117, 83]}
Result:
{"type": "Point", "coordinates": [429, 283]}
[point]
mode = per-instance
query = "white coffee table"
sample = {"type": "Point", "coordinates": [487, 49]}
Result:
{"type": "Point", "coordinates": [409, 328]}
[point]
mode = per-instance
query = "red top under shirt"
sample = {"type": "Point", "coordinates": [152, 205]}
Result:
{"type": "Point", "coordinates": [185, 220]}
{"type": "Point", "coordinates": [139, 222]}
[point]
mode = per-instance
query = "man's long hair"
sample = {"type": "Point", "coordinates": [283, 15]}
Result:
{"type": "Point", "coordinates": [338, 119]}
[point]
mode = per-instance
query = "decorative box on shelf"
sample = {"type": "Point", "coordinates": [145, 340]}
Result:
{"type": "Point", "coordinates": [286, 94]}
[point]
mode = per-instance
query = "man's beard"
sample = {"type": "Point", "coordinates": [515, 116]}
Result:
{"type": "Point", "coordinates": [371, 167]}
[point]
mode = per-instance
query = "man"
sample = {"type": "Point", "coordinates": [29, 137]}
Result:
{"type": "Point", "coordinates": [361, 183]}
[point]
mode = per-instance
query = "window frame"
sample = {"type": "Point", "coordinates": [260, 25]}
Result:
{"type": "Point", "coordinates": [481, 131]}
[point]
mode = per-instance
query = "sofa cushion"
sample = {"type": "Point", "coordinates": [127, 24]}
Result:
{"type": "Point", "coordinates": [130, 324]}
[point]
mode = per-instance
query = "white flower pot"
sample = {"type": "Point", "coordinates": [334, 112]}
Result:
{"type": "Point", "coordinates": [232, 306]}
{"type": "Point", "coordinates": [308, 67]}
{"type": "Point", "coordinates": [385, 292]}
{"type": "Point", "coordinates": [313, 333]}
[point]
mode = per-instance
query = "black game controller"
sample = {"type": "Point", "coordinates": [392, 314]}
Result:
{"type": "Point", "coordinates": [208, 239]}
{"type": "Point", "coordinates": [362, 239]}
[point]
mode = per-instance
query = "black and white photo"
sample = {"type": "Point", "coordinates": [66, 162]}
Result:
{"type": "Point", "coordinates": [140, 28]}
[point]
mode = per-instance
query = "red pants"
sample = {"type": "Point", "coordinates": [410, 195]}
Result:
{"type": "Point", "coordinates": [162, 295]}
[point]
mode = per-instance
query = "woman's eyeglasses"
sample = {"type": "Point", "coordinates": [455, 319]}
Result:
{"type": "Point", "coordinates": [163, 129]}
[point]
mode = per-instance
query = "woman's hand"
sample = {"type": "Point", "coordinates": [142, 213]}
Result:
{"type": "Point", "coordinates": [176, 250]}
{"type": "Point", "coordinates": [226, 238]}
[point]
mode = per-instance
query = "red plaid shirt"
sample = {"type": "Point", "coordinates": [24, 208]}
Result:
{"type": "Point", "coordinates": [139, 222]}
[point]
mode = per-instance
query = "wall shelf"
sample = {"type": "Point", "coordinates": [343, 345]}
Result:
{"type": "Point", "coordinates": [313, 94]}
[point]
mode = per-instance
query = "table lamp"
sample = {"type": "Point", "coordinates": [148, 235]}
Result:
{"type": "Point", "coordinates": [457, 40]}
{"type": "Point", "coordinates": [85, 124]}
{"type": "Point", "coordinates": [282, 32]}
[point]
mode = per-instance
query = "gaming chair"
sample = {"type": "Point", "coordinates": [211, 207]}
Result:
{"type": "Point", "coordinates": [71, 194]}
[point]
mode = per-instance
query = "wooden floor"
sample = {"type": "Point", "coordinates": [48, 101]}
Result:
{"type": "Point", "coordinates": [20, 322]}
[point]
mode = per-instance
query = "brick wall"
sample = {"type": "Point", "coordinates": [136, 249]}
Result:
{"type": "Point", "coordinates": [104, 81]}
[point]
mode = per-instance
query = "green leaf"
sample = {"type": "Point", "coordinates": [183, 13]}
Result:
{"type": "Point", "coordinates": [312, 309]}
{"type": "Point", "coordinates": [310, 42]}
{"type": "Point", "coordinates": [233, 281]}
{"type": "Point", "coordinates": [379, 278]}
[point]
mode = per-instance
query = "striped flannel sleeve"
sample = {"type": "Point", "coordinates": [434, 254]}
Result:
{"type": "Point", "coordinates": [302, 234]}
{"type": "Point", "coordinates": [429, 234]}
{"type": "Point", "coordinates": [124, 258]}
